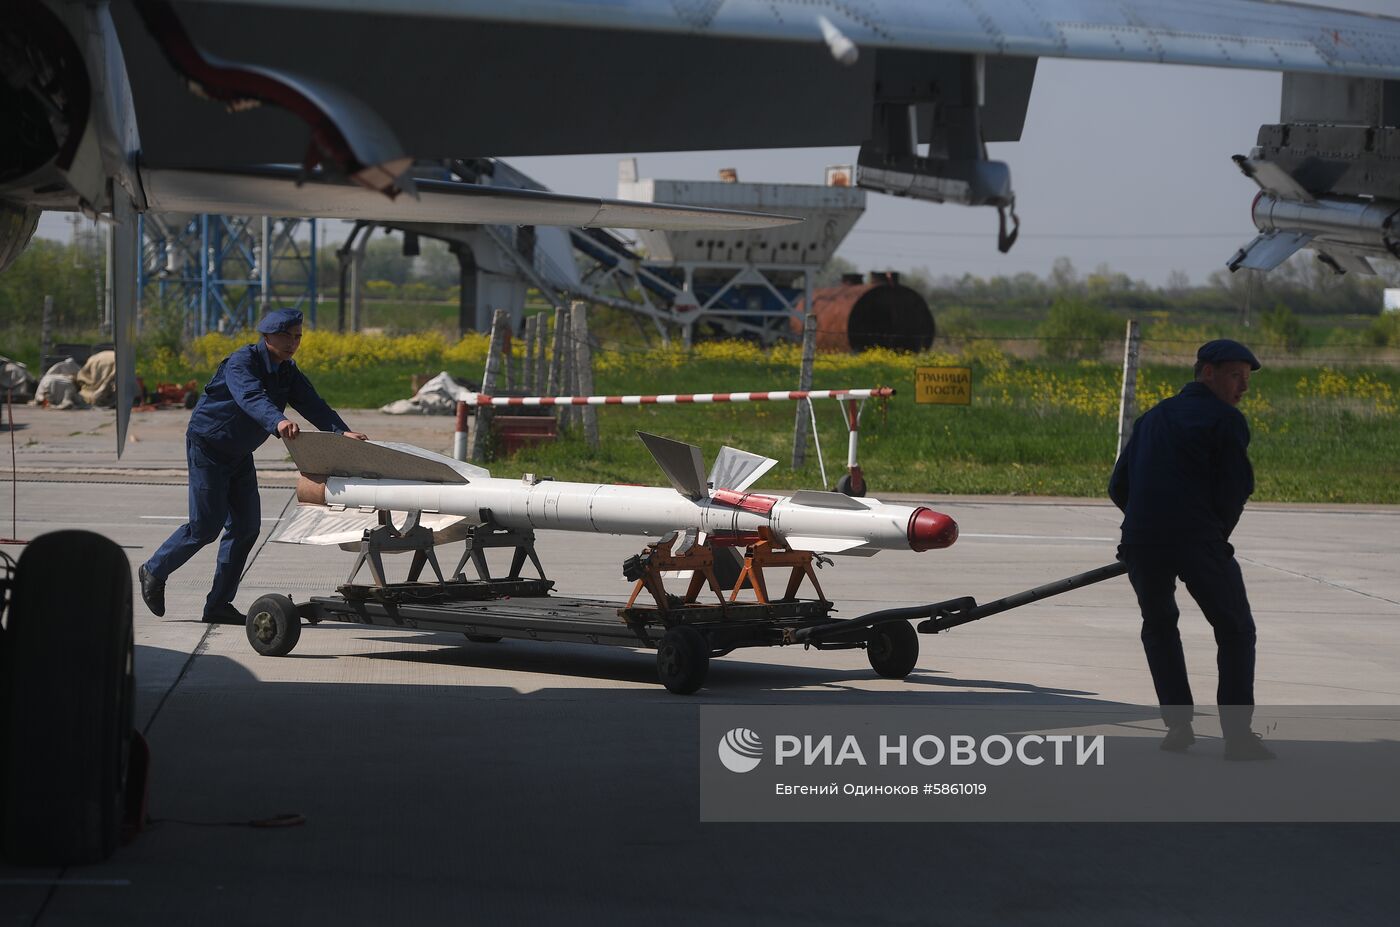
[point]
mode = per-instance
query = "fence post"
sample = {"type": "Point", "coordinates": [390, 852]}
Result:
{"type": "Point", "coordinates": [528, 375]}
{"type": "Point", "coordinates": [1127, 401]}
{"type": "Point", "coordinates": [508, 366]}
{"type": "Point", "coordinates": [804, 381]}
{"type": "Point", "coordinates": [583, 364]}
{"type": "Point", "coordinates": [541, 381]}
{"type": "Point", "coordinates": [500, 324]}
{"type": "Point", "coordinates": [46, 333]}
{"type": "Point", "coordinates": [564, 347]}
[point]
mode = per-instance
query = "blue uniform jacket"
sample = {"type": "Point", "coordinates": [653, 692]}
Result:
{"type": "Point", "coordinates": [243, 402]}
{"type": "Point", "coordinates": [1185, 474]}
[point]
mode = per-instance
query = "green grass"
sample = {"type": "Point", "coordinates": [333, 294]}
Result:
{"type": "Point", "coordinates": [1039, 428]}
{"type": "Point", "coordinates": [1304, 449]}
{"type": "Point", "coordinates": [1035, 427]}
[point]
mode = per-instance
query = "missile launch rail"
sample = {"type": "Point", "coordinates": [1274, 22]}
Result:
{"type": "Point", "coordinates": [685, 636]}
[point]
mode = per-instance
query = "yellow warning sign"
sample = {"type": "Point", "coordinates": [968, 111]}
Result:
{"type": "Point", "coordinates": [949, 386]}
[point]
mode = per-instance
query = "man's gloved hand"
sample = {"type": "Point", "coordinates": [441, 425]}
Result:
{"type": "Point", "coordinates": [288, 429]}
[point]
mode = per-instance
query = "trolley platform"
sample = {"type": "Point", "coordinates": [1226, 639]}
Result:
{"type": "Point", "coordinates": [684, 636]}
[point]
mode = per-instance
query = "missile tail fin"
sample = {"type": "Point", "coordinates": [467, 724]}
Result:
{"type": "Point", "coordinates": [1344, 260]}
{"type": "Point", "coordinates": [327, 454]}
{"type": "Point", "coordinates": [1269, 250]}
{"type": "Point", "coordinates": [738, 470]}
{"type": "Point", "coordinates": [1272, 178]}
{"type": "Point", "coordinates": [682, 463]}
{"type": "Point", "coordinates": [318, 526]}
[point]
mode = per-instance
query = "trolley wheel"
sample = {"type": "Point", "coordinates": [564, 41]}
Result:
{"type": "Point", "coordinates": [843, 485]}
{"type": "Point", "coordinates": [274, 627]}
{"type": "Point", "coordinates": [893, 649]}
{"type": "Point", "coordinates": [683, 659]}
{"type": "Point", "coordinates": [482, 638]}
{"type": "Point", "coordinates": [67, 688]}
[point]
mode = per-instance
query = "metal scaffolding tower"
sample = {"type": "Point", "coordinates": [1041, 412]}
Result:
{"type": "Point", "coordinates": [223, 272]}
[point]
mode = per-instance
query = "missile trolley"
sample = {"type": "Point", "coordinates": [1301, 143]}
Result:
{"type": "Point", "coordinates": [719, 544]}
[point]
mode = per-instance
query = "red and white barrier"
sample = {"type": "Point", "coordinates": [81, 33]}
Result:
{"type": "Point", "coordinates": [853, 402]}
{"type": "Point", "coordinates": [878, 392]}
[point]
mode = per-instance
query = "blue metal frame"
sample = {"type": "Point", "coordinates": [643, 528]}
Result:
{"type": "Point", "coordinates": [210, 265]}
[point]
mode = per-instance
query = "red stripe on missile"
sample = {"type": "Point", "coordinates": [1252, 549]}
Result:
{"type": "Point", "coordinates": [748, 501]}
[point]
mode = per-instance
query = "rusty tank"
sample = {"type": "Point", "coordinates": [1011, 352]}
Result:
{"type": "Point", "coordinates": [882, 312]}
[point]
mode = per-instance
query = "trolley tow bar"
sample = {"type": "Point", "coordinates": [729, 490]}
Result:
{"type": "Point", "coordinates": [942, 616]}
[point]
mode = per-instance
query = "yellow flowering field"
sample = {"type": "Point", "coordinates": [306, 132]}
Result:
{"type": "Point", "coordinates": [1325, 433]}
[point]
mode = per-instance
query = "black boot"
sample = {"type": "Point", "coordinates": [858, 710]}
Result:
{"type": "Point", "coordinates": [1247, 746]}
{"type": "Point", "coordinates": [152, 592]}
{"type": "Point", "coordinates": [224, 614]}
{"type": "Point", "coordinates": [1179, 737]}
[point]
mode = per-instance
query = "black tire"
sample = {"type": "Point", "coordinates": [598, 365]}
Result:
{"type": "Point", "coordinates": [843, 486]}
{"type": "Point", "coordinates": [483, 638]}
{"type": "Point", "coordinates": [191, 399]}
{"type": "Point", "coordinates": [683, 659]}
{"type": "Point", "coordinates": [893, 649]}
{"type": "Point", "coordinates": [70, 684]}
{"type": "Point", "coordinates": [274, 627]}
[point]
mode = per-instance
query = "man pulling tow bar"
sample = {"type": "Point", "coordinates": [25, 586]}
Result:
{"type": "Point", "coordinates": [1182, 482]}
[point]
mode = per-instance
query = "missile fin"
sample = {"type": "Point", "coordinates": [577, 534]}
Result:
{"type": "Point", "coordinates": [327, 454]}
{"type": "Point", "coordinates": [1343, 260]}
{"type": "Point", "coordinates": [320, 526]}
{"type": "Point", "coordinates": [828, 500]}
{"type": "Point", "coordinates": [1274, 179]}
{"type": "Point", "coordinates": [824, 545]}
{"type": "Point", "coordinates": [682, 463]}
{"type": "Point", "coordinates": [1269, 250]}
{"type": "Point", "coordinates": [738, 470]}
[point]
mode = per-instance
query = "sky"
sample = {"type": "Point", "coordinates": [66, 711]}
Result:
{"type": "Point", "coordinates": [1123, 164]}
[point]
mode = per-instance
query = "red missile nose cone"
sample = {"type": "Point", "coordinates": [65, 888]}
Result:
{"type": "Point", "coordinates": [930, 530]}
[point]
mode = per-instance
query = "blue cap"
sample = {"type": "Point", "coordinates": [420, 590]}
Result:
{"type": "Point", "coordinates": [279, 320]}
{"type": "Point", "coordinates": [1223, 350]}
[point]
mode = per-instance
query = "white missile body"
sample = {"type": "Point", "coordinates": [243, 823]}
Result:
{"type": "Point", "coordinates": [1343, 231]}
{"type": "Point", "coordinates": [820, 522]}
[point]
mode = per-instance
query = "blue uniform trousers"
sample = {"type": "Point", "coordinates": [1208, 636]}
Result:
{"type": "Point", "coordinates": [1213, 579]}
{"type": "Point", "coordinates": [222, 495]}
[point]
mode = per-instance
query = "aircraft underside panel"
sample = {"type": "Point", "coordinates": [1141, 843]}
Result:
{"type": "Point", "coordinates": [1263, 34]}
{"type": "Point", "coordinates": [458, 88]}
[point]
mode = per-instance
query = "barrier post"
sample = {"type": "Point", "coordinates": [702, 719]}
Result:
{"type": "Point", "coordinates": [804, 382]}
{"type": "Point", "coordinates": [1127, 400]}
{"type": "Point", "coordinates": [459, 437]}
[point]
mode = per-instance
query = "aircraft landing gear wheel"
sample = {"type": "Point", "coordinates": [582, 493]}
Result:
{"type": "Point", "coordinates": [843, 486]}
{"type": "Point", "coordinates": [274, 627]}
{"type": "Point", "coordinates": [67, 690]}
{"type": "Point", "coordinates": [483, 638]}
{"type": "Point", "coordinates": [893, 649]}
{"type": "Point", "coordinates": [682, 660]}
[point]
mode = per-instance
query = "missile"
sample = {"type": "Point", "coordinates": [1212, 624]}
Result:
{"type": "Point", "coordinates": [1342, 230]}
{"type": "Point", "coordinates": [344, 484]}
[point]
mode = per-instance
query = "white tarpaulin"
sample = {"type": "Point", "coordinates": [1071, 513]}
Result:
{"type": "Point", "coordinates": [439, 396]}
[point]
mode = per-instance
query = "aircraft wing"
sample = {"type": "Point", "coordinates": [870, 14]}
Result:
{"type": "Point", "coordinates": [1260, 34]}
{"type": "Point", "coordinates": [282, 191]}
